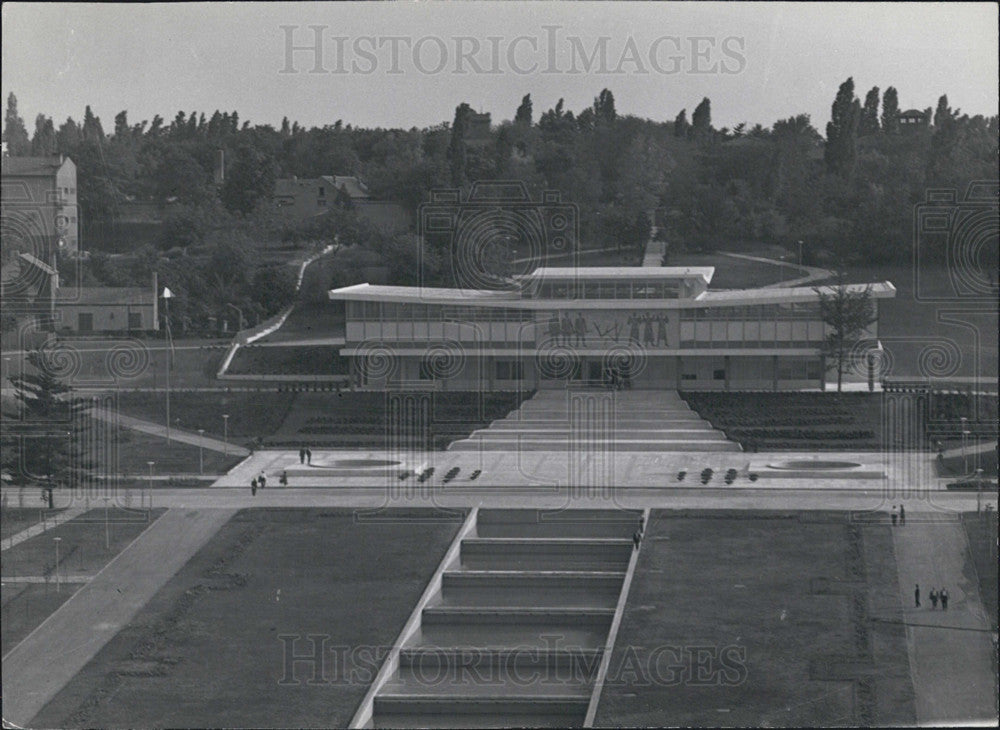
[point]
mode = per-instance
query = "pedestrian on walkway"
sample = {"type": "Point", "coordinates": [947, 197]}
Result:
{"type": "Point", "coordinates": [944, 599]}
{"type": "Point", "coordinates": [637, 538]}
{"type": "Point", "coordinates": [916, 596]}
{"type": "Point", "coordinates": [934, 598]}
{"type": "Point", "coordinates": [309, 456]}
{"type": "Point", "coordinates": [902, 515]}
{"type": "Point", "coordinates": [284, 479]}
{"type": "Point", "coordinates": [894, 515]}
{"type": "Point", "coordinates": [253, 487]}
{"type": "Point", "coordinates": [262, 479]}
{"type": "Point", "coordinates": [302, 456]}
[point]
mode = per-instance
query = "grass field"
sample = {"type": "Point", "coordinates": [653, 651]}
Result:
{"type": "Point", "coordinates": [761, 619]}
{"type": "Point", "coordinates": [135, 449]}
{"type": "Point", "coordinates": [289, 360]}
{"type": "Point", "coordinates": [82, 552]}
{"type": "Point", "coordinates": [732, 273]}
{"type": "Point", "coordinates": [251, 414]}
{"type": "Point", "coordinates": [206, 650]}
{"type": "Point", "coordinates": [981, 530]}
{"type": "Point", "coordinates": [14, 519]}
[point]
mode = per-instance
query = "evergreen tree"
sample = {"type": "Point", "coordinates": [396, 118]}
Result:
{"type": "Point", "coordinates": [43, 143]}
{"type": "Point", "coordinates": [68, 137]}
{"type": "Point", "coordinates": [604, 107]}
{"type": "Point", "coordinates": [681, 124]}
{"type": "Point", "coordinates": [701, 120]}
{"type": "Point", "coordinates": [842, 131]}
{"type": "Point", "coordinates": [890, 111]}
{"type": "Point", "coordinates": [456, 148]}
{"type": "Point", "coordinates": [14, 132]}
{"type": "Point", "coordinates": [868, 123]}
{"type": "Point", "coordinates": [943, 115]}
{"type": "Point", "coordinates": [92, 129]}
{"type": "Point", "coordinates": [523, 115]}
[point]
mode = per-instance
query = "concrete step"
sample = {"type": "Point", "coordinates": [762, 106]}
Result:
{"type": "Point", "coordinates": [516, 615]}
{"type": "Point", "coordinates": [487, 661]}
{"type": "Point", "coordinates": [663, 434]}
{"type": "Point", "coordinates": [509, 553]}
{"type": "Point", "coordinates": [570, 637]}
{"type": "Point", "coordinates": [460, 685]}
{"type": "Point", "coordinates": [506, 720]}
{"type": "Point", "coordinates": [562, 423]}
{"type": "Point", "coordinates": [484, 444]}
{"type": "Point", "coordinates": [557, 595]}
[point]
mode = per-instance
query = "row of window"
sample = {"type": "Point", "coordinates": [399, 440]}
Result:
{"type": "Point", "coordinates": [609, 290]}
{"type": "Point", "coordinates": [503, 370]}
{"type": "Point", "coordinates": [764, 312]}
{"type": "Point", "coordinates": [748, 344]}
{"type": "Point", "coordinates": [408, 312]}
{"type": "Point", "coordinates": [787, 370]}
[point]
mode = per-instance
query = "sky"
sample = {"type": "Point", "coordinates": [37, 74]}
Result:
{"type": "Point", "coordinates": [407, 64]}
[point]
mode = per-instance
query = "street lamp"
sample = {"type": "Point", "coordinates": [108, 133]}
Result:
{"type": "Point", "coordinates": [167, 296]}
{"type": "Point", "coordinates": [965, 434]}
{"type": "Point", "coordinates": [150, 488]}
{"type": "Point", "coordinates": [56, 540]}
{"type": "Point", "coordinates": [107, 533]}
{"type": "Point", "coordinates": [800, 254]}
{"type": "Point", "coordinates": [201, 463]}
{"type": "Point", "coordinates": [225, 431]}
{"type": "Point", "coordinates": [979, 490]}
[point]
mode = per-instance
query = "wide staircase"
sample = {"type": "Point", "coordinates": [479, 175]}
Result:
{"type": "Point", "coordinates": [594, 420]}
{"type": "Point", "coordinates": [516, 634]}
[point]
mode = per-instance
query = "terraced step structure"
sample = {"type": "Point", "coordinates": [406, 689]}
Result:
{"type": "Point", "coordinates": [515, 635]}
{"type": "Point", "coordinates": [635, 420]}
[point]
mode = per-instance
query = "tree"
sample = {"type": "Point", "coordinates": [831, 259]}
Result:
{"type": "Point", "coordinates": [47, 428]}
{"type": "Point", "coordinates": [92, 129]}
{"type": "Point", "coordinates": [604, 107]}
{"type": "Point", "coordinates": [868, 124]}
{"type": "Point", "coordinates": [180, 177]}
{"type": "Point", "coordinates": [681, 124]}
{"type": "Point", "coordinates": [842, 131]}
{"type": "Point", "coordinates": [847, 312]}
{"type": "Point", "coordinates": [890, 111]}
{"type": "Point", "coordinates": [523, 115]}
{"type": "Point", "coordinates": [456, 148]}
{"type": "Point", "coordinates": [14, 132]}
{"type": "Point", "coordinates": [43, 143]}
{"type": "Point", "coordinates": [68, 137]}
{"type": "Point", "coordinates": [701, 120]}
{"type": "Point", "coordinates": [249, 180]}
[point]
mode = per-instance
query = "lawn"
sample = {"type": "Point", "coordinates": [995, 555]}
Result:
{"type": "Point", "coordinates": [136, 448]}
{"type": "Point", "coordinates": [733, 273]}
{"type": "Point", "coordinates": [15, 519]}
{"type": "Point", "coordinates": [760, 619]}
{"type": "Point", "coordinates": [251, 414]}
{"type": "Point", "coordinates": [82, 552]}
{"type": "Point", "coordinates": [981, 530]}
{"type": "Point", "coordinates": [916, 331]}
{"type": "Point", "coordinates": [289, 360]}
{"type": "Point", "coordinates": [207, 650]}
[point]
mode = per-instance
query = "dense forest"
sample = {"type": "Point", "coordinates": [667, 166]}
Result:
{"type": "Point", "coordinates": [849, 194]}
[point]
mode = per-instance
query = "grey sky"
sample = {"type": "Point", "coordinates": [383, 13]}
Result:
{"type": "Point", "coordinates": [788, 58]}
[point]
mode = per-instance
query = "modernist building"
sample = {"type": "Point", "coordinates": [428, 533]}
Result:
{"type": "Point", "coordinates": [646, 327]}
{"type": "Point", "coordinates": [40, 210]}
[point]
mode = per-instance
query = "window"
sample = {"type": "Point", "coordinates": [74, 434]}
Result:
{"type": "Point", "coordinates": [135, 320]}
{"type": "Point", "coordinates": [322, 192]}
{"type": "Point", "coordinates": [719, 374]}
{"type": "Point", "coordinates": [509, 370]}
{"type": "Point", "coordinates": [689, 376]}
{"type": "Point", "coordinates": [85, 322]}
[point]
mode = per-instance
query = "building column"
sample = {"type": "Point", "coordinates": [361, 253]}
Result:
{"type": "Point", "coordinates": [725, 367]}
{"type": "Point", "coordinates": [774, 372]}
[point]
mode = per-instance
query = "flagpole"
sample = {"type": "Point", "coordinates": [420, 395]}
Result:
{"type": "Point", "coordinates": [167, 296]}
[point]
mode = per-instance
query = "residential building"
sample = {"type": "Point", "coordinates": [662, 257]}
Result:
{"type": "Point", "coordinates": [303, 198]}
{"type": "Point", "coordinates": [40, 209]}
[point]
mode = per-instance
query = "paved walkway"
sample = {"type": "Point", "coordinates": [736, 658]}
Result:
{"type": "Point", "coordinates": [40, 666]}
{"type": "Point", "coordinates": [38, 528]}
{"type": "Point", "coordinates": [952, 670]}
{"type": "Point", "coordinates": [176, 434]}
{"type": "Point", "coordinates": [814, 272]}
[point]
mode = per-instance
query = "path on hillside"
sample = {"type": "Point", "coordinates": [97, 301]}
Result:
{"type": "Point", "coordinates": [952, 670]}
{"type": "Point", "coordinates": [176, 434]}
{"type": "Point", "coordinates": [815, 273]}
{"type": "Point", "coordinates": [39, 667]}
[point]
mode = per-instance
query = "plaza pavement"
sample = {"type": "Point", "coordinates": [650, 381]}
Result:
{"type": "Point", "coordinates": [950, 651]}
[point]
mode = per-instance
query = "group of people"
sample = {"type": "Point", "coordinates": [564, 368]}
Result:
{"type": "Point", "coordinates": [898, 518]}
{"type": "Point", "coordinates": [637, 535]}
{"type": "Point", "coordinates": [649, 329]}
{"type": "Point", "coordinates": [305, 456]}
{"type": "Point", "coordinates": [260, 481]}
{"type": "Point", "coordinates": [935, 596]}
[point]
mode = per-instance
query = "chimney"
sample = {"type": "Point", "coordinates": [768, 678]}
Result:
{"type": "Point", "coordinates": [219, 173]}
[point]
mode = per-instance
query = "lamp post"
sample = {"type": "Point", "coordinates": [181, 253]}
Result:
{"type": "Point", "coordinates": [979, 490]}
{"type": "Point", "coordinates": [107, 533]}
{"type": "Point", "coordinates": [150, 487]}
{"type": "Point", "coordinates": [167, 296]}
{"type": "Point", "coordinates": [800, 254]}
{"type": "Point", "coordinates": [56, 540]}
{"type": "Point", "coordinates": [201, 463]}
{"type": "Point", "coordinates": [225, 431]}
{"type": "Point", "coordinates": [965, 456]}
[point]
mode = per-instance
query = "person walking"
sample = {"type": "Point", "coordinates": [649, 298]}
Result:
{"type": "Point", "coordinates": [253, 487]}
{"type": "Point", "coordinates": [902, 515]}
{"type": "Point", "coordinates": [636, 539]}
{"type": "Point", "coordinates": [309, 456]}
{"type": "Point", "coordinates": [283, 481]}
{"type": "Point", "coordinates": [262, 479]}
{"type": "Point", "coordinates": [895, 516]}
{"type": "Point", "coordinates": [934, 598]}
{"type": "Point", "coordinates": [302, 456]}
{"type": "Point", "coordinates": [943, 595]}
{"type": "Point", "coordinates": [916, 596]}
